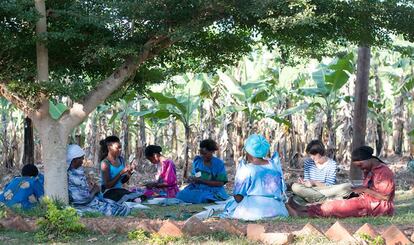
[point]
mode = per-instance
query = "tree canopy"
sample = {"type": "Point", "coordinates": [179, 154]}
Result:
{"type": "Point", "coordinates": [87, 40]}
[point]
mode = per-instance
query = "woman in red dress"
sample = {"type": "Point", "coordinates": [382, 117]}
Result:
{"type": "Point", "coordinates": [375, 196]}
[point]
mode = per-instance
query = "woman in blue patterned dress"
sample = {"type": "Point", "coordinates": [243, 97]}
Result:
{"type": "Point", "coordinates": [259, 186]}
{"type": "Point", "coordinates": [83, 196]}
{"type": "Point", "coordinates": [208, 177]}
{"type": "Point", "coordinates": [24, 191]}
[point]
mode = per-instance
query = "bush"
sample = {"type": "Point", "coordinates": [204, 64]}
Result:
{"type": "Point", "coordinates": [58, 223]}
{"type": "Point", "coordinates": [145, 237]}
{"type": "Point", "coordinates": [372, 240]}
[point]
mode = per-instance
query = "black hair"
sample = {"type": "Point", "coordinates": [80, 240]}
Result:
{"type": "Point", "coordinates": [363, 153]}
{"type": "Point", "coordinates": [209, 145]}
{"type": "Point", "coordinates": [152, 149]}
{"type": "Point", "coordinates": [314, 147]}
{"type": "Point", "coordinates": [103, 153]}
{"type": "Point", "coordinates": [30, 170]}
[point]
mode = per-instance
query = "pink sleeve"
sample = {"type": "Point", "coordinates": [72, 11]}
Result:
{"type": "Point", "coordinates": [384, 182]}
{"type": "Point", "coordinates": [168, 174]}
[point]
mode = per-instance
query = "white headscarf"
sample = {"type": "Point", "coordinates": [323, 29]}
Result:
{"type": "Point", "coordinates": [73, 151]}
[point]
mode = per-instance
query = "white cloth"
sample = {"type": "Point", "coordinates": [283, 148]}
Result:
{"type": "Point", "coordinates": [73, 151]}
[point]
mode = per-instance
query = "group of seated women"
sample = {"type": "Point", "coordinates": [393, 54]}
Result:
{"type": "Point", "coordinates": [259, 189]}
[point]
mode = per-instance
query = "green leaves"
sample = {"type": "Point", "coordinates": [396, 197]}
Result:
{"type": "Point", "coordinates": [331, 78]}
{"type": "Point", "coordinates": [162, 99]}
{"type": "Point", "coordinates": [56, 110]}
{"type": "Point", "coordinates": [181, 108]}
{"type": "Point", "coordinates": [259, 97]}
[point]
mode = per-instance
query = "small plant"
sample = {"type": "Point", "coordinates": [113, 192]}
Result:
{"type": "Point", "coordinates": [143, 236]}
{"type": "Point", "coordinates": [139, 235]}
{"type": "Point", "coordinates": [378, 240]}
{"type": "Point", "coordinates": [58, 223]}
{"type": "Point", "coordinates": [3, 212]}
{"type": "Point", "coordinates": [161, 240]}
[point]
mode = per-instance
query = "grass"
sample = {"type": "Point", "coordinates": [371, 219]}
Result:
{"type": "Point", "coordinates": [14, 237]}
{"type": "Point", "coordinates": [175, 212]}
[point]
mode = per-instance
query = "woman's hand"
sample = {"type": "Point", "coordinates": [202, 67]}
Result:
{"type": "Point", "coordinates": [359, 190]}
{"type": "Point", "coordinates": [238, 198]}
{"type": "Point", "coordinates": [308, 183]}
{"type": "Point", "coordinates": [151, 185]}
{"type": "Point", "coordinates": [95, 189]}
{"type": "Point", "coordinates": [194, 180]}
{"type": "Point", "coordinates": [126, 170]}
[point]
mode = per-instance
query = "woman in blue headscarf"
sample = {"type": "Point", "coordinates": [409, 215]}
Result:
{"type": "Point", "coordinates": [208, 177]}
{"type": "Point", "coordinates": [259, 186]}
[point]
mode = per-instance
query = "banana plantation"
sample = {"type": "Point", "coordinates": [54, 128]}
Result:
{"type": "Point", "coordinates": [290, 102]}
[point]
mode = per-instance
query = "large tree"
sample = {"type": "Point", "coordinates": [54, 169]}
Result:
{"type": "Point", "coordinates": [95, 48]}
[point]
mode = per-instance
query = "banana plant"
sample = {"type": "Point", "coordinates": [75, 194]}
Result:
{"type": "Point", "coordinates": [326, 95]}
{"type": "Point", "coordinates": [182, 108]}
{"type": "Point", "coordinates": [397, 69]}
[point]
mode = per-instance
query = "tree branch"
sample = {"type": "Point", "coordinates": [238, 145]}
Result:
{"type": "Point", "coordinates": [19, 102]}
{"type": "Point", "coordinates": [80, 111]}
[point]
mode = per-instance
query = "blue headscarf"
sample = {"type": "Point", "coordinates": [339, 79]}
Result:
{"type": "Point", "coordinates": [257, 146]}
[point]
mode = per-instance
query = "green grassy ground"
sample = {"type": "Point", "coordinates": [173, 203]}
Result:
{"type": "Point", "coordinates": [404, 217]}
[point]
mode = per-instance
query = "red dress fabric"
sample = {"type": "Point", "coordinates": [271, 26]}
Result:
{"type": "Point", "coordinates": [381, 180]}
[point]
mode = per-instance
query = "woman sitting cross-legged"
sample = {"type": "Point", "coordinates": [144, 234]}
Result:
{"type": "Point", "coordinates": [24, 191]}
{"type": "Point", "coordinates": [166, 178]}
{"type": "Point", "coordinates": [85, 197]}
{"type": "Point", "coordinates": [376, 196]}
{"type": "Point", "coordinates": [258, 188]}
{"type": "Point", "coordinates": [207, 177]}
{"type": "Point", "coordinates": [319, 183]}
{"type": "Point", "coordinates": [114, 171]}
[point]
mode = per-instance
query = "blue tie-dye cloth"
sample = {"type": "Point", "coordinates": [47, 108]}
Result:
{"type": "Point", "coordinates": [80, 197]}
{"type": "Point", "coordinates": [262, 188]}
{"type": "Point", "coordinates": [23, 192]}
{"type": "Point", "coordinates": [201, 193]}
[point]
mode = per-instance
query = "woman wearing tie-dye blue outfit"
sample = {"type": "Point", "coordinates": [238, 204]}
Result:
{"type": "Point", "coordinates": [259, 186]}
{"type": "Point", "coordinates": [24, 191]}
{"type": "Point", "coordinates": [208, 177]}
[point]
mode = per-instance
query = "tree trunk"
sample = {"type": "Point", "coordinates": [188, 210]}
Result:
{"type": "Point", "coordinates": [229, 153]}
{"type": "Point", "coordinates": [125, 134]}
{"type": "Point", "coordinates": [5, 147]}
{"type": "Point", "coordinates": [411, 129]}
{"type": "Point", "coordinates": [331, 147]}
{"type": "Point", "coordinates": [379, 141]}
{"type": "Point", "coordinates": [186, 151]}
{"type": "Point", "coordinates": [54, 140]}
{"type": "Point", "coordinates": [361, 105]}
{"type": "Point", "coordinates": [398, 125]}
{"type": "Point", "coordinates": [28, 151]}
{"type": "Point", "coordinates": [239, 134]}
{"type": "Point", "coordinates": [41, 49]}
{"type": "Point", "coordinates": [319, 127]}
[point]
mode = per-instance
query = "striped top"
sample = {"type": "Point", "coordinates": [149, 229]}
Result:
{"type": "Point", "coordinates": [326, 175]}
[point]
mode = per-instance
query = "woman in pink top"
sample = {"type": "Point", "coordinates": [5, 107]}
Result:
{"type": "Point", "coordinates": [166, 178]}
